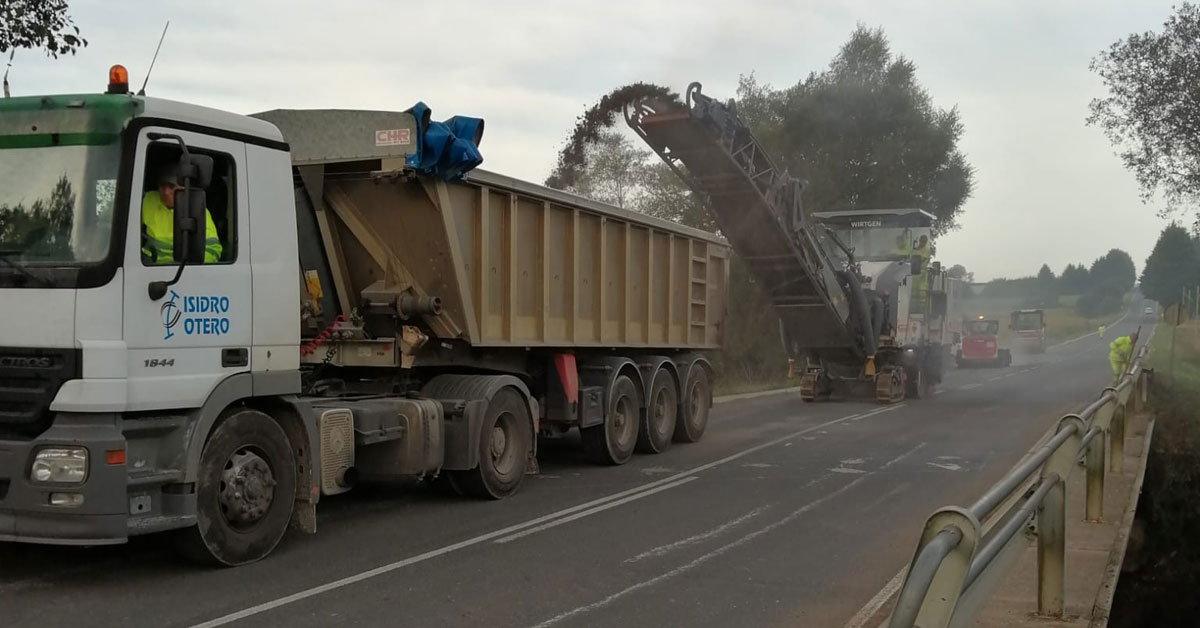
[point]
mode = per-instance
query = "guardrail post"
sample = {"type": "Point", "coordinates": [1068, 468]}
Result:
{"type": "Point", "coordinates": [934, 582]}
{"type": "Point", "coordinates": [1095, 479]}
{"type": "Point", "coordinates": [1052, 520]}
{"type": "Point", "coordinates": [1135, 400]}
{"type": "Point", "coordinates": [1052, 549]}
{"type": "Point", "coordinates": [1116, 441]}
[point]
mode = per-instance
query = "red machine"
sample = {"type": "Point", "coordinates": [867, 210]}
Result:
{"type": "Point", "coordinates": [980, 344]}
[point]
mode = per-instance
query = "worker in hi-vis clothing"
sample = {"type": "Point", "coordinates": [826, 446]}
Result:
{"type": "Point", "coordinates": [158, 223]}
{"type": "Point", "coordinates": [920, 280]}
{"type": "Point", "coordinates": [1120, 351]}
{"type": "Point", "coordinates": [1102, 332]}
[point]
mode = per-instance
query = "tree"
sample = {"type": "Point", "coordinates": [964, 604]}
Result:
{"type": "Point", "coordinates": [615, 171]}
{"type": "Point", "coordinates": [1173, 265]}
{"type": "Point", "coordinates": [1047, 284]}
{"type": "Point", "coordinates": [864, 133]}
{"type": "Point", "coordinates": [41, 24]}
{"type": "Point", "coordinates": [1152, 112]}
{"type": "Point", "coordinates": [1113, 273]}
{"type": "Point", "coordinates": [958, 271]}
{"type": "Point", "coordinates": [1109, 278]}
{"type": "Point", "coordinates": [665, 196]}
{"type": "Point", "coordinates": [1074, 279]}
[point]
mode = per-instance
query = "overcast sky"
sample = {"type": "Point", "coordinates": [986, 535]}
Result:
{"type": "Point", "coordinates": [1048, 188]}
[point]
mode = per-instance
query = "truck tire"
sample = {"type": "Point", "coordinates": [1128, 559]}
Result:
{"type": "Point", "coordinates": [662, 409]}
{"type": "Point", "coordinates": [245, 491]}
{"type": "Point", "coordinates": [697, 398]}
{"type": "Point", "coordinates": [505, 443]}
{"type": "Point", "coordinates": [613, 441]}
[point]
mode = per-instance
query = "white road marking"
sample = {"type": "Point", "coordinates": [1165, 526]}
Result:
{"type": "Point", "coordinates": [896, 490]}
{"type": "Point", "coordinates": [698, 538]}
{"type": "Point", "coordinates": [872, 413]}
{"type": "Point", "coordinates": [969, 386]}
{"type": "Point", "coordinates": [792, 516]}
{"type": "Point", "coordinates": [591, 511]}
{"type": "Point", "coordinates": [847, 470]}
{"type": "Point", "coordinates": [758, 465]}
{"type": "Point", "coordinates": [657, 470]}
{"type": "Point", "coordinates": [853, 461]}
{"type": "Point", "coordinates": [868, 611]}
{"type": "Point", "coordinates": [483, 538]}
{"type": "Point", "coordinates": [949, 458]}
{"type": "Point", "coordinates": [949, 466]}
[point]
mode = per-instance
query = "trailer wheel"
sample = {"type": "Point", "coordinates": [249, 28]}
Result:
{"type": "Point", "coordinates": [697, 397]}
{"type": "Point", "coordinates": [613, 441]}
{"type": "Point", "coordinates": [662, 409]}
{"type": "Point", "coordinates": [245, 491]}
{"type": "Point", "coordinates": [504, 445]}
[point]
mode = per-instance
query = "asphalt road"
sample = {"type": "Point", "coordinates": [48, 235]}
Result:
{"type": "Point", "coordinates": [785, 514]}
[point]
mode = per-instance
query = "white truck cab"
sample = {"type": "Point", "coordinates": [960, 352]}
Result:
{"type": "Point", "coordinates": [89, 346]}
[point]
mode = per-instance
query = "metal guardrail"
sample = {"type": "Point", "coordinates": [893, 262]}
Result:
{"type": "Point", "coordinates": [957, 566]}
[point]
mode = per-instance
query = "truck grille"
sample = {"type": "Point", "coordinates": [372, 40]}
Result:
{"type": "Point", "coordinates": [29, 380]}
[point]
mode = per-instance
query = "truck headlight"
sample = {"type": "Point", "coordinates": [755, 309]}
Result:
{"type": "Point", "coordinates": [59, 465]}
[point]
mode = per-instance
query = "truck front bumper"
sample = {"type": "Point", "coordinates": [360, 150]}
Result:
{"type": "Point", "coordinates": [26, 512]}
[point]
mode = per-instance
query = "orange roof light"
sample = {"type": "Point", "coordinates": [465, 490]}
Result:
{"type": "Point", "coordinates": [118, 80]}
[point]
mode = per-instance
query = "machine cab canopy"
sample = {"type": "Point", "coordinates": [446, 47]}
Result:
{"type": "Point", "coordinates": [981, 327]}
{"type": "Point", "coordinates": [882, 234]}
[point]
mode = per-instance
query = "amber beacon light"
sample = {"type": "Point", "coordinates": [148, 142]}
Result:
{"type": "Point", "coordinates": [118, 80]}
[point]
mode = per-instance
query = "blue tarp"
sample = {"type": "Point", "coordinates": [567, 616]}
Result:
{"type": "Point", "coordinates": [447, 150]}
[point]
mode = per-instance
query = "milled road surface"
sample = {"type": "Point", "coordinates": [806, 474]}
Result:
{"type": "Point", "coordinates": [785, 514]}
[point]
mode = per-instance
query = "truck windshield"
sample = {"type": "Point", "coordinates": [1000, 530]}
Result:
{"type": "Point", "coordinates": [1029, 320]}
{"type": "Point", "coordinates": [880, 243]}
{"type": "Point", "coordinates": [56, 202]}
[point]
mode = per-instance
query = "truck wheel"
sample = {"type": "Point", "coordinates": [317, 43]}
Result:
{"type": "Point", "coordinates": [613, 441]}
{"type": "Point", "coordinates": [697, 397]}
{"type": "Point", "coordinates": [505, 442]}
{"type": "Point", "coordinates": [662, 408]}
{"type": "Point", "coordinates": [245, 491]}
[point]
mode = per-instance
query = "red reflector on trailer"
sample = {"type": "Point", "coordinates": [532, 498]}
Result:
{"type": "Point", "coordinates": [564, 364]}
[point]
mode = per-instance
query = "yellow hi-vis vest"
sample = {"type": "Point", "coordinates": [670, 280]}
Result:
{"type": "Point", "coordinates": [159, 223]}
{"type": "Point", "coordinates": [1120, 350]}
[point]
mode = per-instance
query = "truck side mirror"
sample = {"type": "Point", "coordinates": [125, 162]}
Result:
{"type": "Point", "coordinates": [189, 212]}
{"type": "Point", "coordinates": [190, 203]}
{"type": "Point", "coordinates": [916, 263]}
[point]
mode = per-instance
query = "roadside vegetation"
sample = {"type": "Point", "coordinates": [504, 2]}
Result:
{"type": "Point", "coordinates": [1150, 115]}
